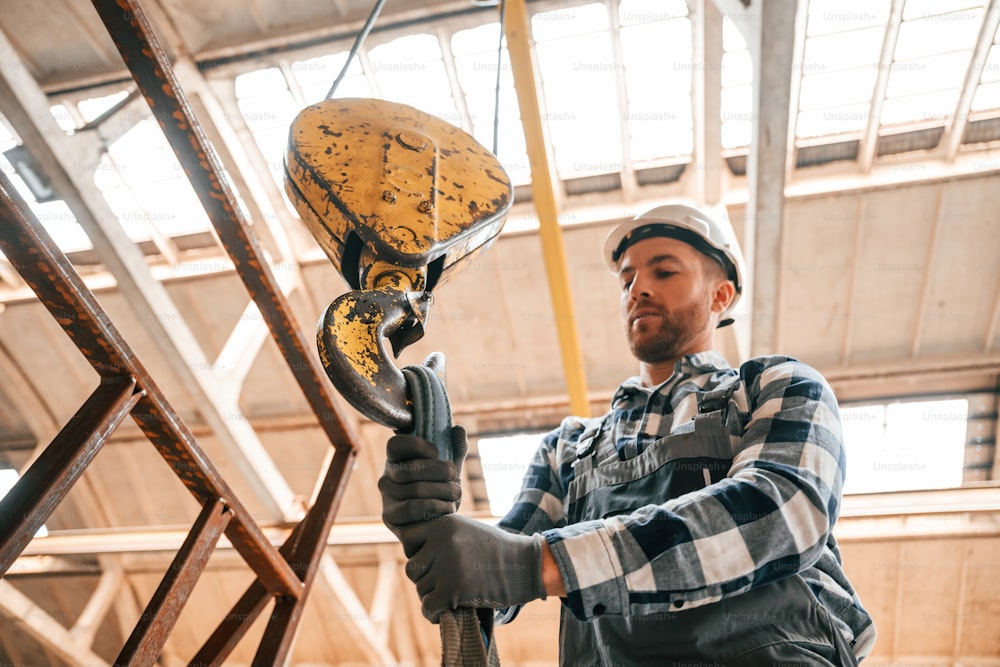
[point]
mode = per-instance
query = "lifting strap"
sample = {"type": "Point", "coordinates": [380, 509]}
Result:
{"type": "Point", "coordinates": [463, 641]}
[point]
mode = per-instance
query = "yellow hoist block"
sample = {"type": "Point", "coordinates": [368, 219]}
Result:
{"type": "Point", "coordinates": [395, 197]}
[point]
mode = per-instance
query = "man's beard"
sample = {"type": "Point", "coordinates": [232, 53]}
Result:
{"type": "Point", "coordinates": [674, 333]}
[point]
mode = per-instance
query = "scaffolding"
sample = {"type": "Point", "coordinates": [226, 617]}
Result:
{"type": "Point", "coordinates": [283, 574]}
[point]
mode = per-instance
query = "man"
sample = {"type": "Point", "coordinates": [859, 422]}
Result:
{"type": "Point", "coordinates": [691, 524]}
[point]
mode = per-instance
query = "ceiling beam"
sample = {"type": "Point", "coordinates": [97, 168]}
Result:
{"type": "Point", "coordinates": [707, 102]}
{"type": "Point", "coordinates": [628, 183]}
{"type": "Point", "coordinates": [869, 143]}
{"type": "Point", "coordinates": [795, 84]}
{"type": "Point", "coordinates": [348, 606]}
{"type": "Point", "coordinates": [918, 371]}
{"type": "Point", "coordinates": [981, 501]}
{"type": "Point", "coordinates": [20, 611]}
{"type": "Point", "coordinates": [769, 30]}
{"type": "Point", "coordinates": [69, 162]}
{"type": "Point", "coordinates": [100, 603]}
{"type": "Point", "coordinates": [544, 196]}
{"type": "Point", "coordinates": [27, 401]}
{"type": "Point", "coordinates": [995, 471]}
{"type": "Point", "coordinates": [959, 120]}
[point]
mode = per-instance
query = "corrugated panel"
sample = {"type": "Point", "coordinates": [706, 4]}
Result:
{"type": "Point", "coordinates": [903, 142]}
{"type": "Point", "coordinates": [810, 156]}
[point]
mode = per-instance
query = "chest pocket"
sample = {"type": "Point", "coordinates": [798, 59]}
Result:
{"type": "Point", "coordinates": [699, 454]}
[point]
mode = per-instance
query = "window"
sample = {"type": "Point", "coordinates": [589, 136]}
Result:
{"type": "Point", "coordinates": [657, 66]}
{"type": "Point", "coordinates": [410, 70]}
{"type": "Point", "coordinates": [905, 446]}
{"type": "Point", "coordinates": [504, 461]}
{"type": "Point", "coordinates": [578, 73]}
{"type": "Point", "coordinates": [54, 215]}
{"type": "Point", "coordinates": [475, 52]}
{"type": "Point", "coordinates": [932, 55]}
{"type": "Point", "coordinates": [840, 66]}
{"type": "Point", "coordinates": [737, 90]}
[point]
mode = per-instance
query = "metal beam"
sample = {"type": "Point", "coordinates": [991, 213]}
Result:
{"type": "Point", "coordinates": [795, 84]}
{"type": "Point", "coordinates": [769, 29]}
{"type": "Point", "coordinates": [28, 402]}
{"type": "Point", "coordinates": [127, 23]}
{"type": "Point", "coordinates": [869, 144]}
{"type": "Point", "coordinates": [158, 619]}
{"type": "Point", "coordinates": [543, 189]}
{"type": "Point", "coordinates": [26, 507]}
{"type": "Point", "coordinates": [971, 500]}
{"type": "Point", "coordinates": [52, 635]}
{"type": "Point", "coordinates": [707, 102]}
{"type": "Point", "coordinates": [960, 119]}
{"type": "Point", "coordinates": [60, 289]}
{"type": "Point", "coordinates": [628, 183]}
{"type": "Point", "coordinates": [69, 163]}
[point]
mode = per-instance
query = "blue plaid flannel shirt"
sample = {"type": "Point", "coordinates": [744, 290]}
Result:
{"type": "Point", "coordinates": [771, 517]}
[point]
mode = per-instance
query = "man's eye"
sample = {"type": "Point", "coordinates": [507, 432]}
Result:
{"type": "Point", "coordinates": [665, 274]}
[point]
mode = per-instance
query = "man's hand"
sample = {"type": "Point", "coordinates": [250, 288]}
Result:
{"type": "Point", "coordinates": [416, 486]}
{"type": "Point", "coordinates": [460, 562]}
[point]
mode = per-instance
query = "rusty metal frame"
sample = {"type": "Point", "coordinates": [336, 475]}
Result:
{"type": "Point", "coordinates": [283, 575]}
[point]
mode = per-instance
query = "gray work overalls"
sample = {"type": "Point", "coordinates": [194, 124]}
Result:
{"type": "Point", "coordinates": [779, 623]}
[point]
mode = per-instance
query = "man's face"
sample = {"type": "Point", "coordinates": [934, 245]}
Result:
{"type": "Point", "coordinates": [665, 300]}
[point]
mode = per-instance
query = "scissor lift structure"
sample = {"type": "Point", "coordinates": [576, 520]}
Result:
{"type": "Point", "coordinates": [283, 575]}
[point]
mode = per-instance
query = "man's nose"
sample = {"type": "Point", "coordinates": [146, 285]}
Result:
{"type": "Point", "coordinates": [639, 287]}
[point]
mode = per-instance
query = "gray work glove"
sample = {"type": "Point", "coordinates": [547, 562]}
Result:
{"type": "Point", "coordinates": [417, 486]}
{"type": "Point", "coordinates": [461, 562]}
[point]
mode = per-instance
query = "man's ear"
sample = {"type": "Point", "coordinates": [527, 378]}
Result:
{"type": "Point", "coordinates": [723, 293]}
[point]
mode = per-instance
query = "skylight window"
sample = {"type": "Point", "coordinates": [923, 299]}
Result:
{"type": "Point", "coordinates": [578, 71]}
{"type": "Point", "coordinates": [905, 446]}
{"type": "Point", "coordinates": [475, 52]}
{"type": "Point", "coordinates": [737, 91]}
{"type": "Point", "coordinates": [656, 47]}
{"type": "Point", "coordinates": [92, 108]}
{"type": "Point", "coordinates": [410, 70]}
{"type": "Point", "coordinates": [932, 55]}
{"type": "Point", "coordinates": [988, 93]}
{"type": "Point", "coordinates": [315, 76]}
{"type": "Point", "coordinates": [268, 108]}
{"type": "Point", "coordinates": [145, 186]}
{"type": "Point", "coordinates": [840, 66]}
{"type": "Point", "coordinates": [54, 215]}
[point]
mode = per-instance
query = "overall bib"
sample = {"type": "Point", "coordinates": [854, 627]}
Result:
{"type": "Point", "coordinates": [779, 623]}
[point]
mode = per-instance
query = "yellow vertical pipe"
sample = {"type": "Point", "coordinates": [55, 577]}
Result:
{"type": "Point", "coordinates": [543, 182]}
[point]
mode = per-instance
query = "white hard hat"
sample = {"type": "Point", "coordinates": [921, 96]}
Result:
{"type": "Point", "coordinates": [711, 235]}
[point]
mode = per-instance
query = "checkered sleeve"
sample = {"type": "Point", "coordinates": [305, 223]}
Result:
{"type": "Point", "coordinates": [770, 517]}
